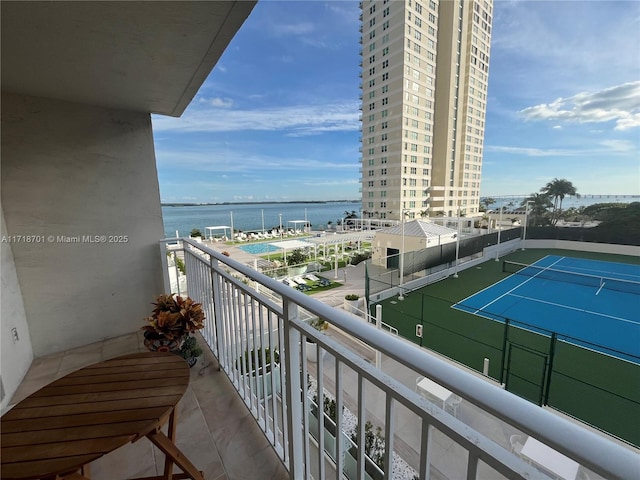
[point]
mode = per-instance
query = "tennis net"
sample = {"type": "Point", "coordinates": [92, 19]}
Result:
{"type": "Point", "coordinates": [597, 281]}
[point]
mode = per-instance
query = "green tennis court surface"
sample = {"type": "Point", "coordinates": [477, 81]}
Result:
{"type": "Point", "coordinates": [546, 366]}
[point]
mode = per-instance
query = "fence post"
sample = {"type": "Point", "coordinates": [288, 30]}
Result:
{"type": "Point", "coordinates": [504, 350]}
{"type": "Point", "coordinates": [552, 354]}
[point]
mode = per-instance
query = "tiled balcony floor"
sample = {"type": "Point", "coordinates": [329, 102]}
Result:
{"type": "Point", "coordinates": [215, 430]}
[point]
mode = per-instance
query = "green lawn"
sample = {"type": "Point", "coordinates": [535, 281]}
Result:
{"type": "Point", "coordinates": [580, 381]}
{"type": "Point", "coordinates": [319, 286]}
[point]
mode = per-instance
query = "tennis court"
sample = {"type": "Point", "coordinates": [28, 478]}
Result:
{"type": "Point", "coordinates": [595, 301]}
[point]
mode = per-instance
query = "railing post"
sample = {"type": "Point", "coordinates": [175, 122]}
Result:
{"type": "Point", "coordinates": [378, 326]}
{"type": "Point", "coordinates": [217, 311]}
{"type": "Point", "coordinates": [292, 392]}
{"type": "Point", "coordinates": [165, 267]}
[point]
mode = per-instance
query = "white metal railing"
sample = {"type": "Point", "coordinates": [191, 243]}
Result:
{"type": "Point", "coordinates": [243, 321]}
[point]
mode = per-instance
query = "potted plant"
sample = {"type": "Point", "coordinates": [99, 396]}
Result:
{"type": "Point", "coordinates": [351, 302]}
{"type": "Point", "coordinates": [329, 416]}
{"type": "Point", "coordinates": [172, 319]}
{"type": "Point", "coordinates": [190, 350]}
{"type": "Point", "coordinates": [196, 234]}
{"type": "Point", "coordinates": [312, 352]}
{"type": "Point", "coordinates": [251, 365]}
{"type": "Point", "coordinates": [296, 262]}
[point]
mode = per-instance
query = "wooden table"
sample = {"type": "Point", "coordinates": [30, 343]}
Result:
{"type": "Point", "coordinates": [550, 460]}
{"type": "Point", "coordinates": [71, 422]}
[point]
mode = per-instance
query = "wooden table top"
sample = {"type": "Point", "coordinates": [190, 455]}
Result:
{"type": "Point", "coordinates": [89, 413]}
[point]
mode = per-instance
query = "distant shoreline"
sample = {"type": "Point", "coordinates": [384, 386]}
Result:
{"type": "Point", "coordinates": [497, 197]}
{"type": "Point", "coordinates": [254, 203]}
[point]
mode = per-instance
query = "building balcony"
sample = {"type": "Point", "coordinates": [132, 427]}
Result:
{"type": "Point", "coordinates": [437, 420]}
{"type": "Point", "coordinates": [215, 430]}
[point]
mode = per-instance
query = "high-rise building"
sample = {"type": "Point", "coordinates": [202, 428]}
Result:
{"type": "Point", "coordinates": [425, 71]}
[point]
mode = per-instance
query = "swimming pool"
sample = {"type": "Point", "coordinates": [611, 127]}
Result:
{"type": "Point", "coordinates": [259, 248]}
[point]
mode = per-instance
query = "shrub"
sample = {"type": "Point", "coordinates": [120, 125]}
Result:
{"type": "Point", "coordinates": [374, 447]}
{"type": "Point", "coordinates": [296, 257]}
{"type": "Point", "coordinates": [181, 266]}
{"type": "Point", "coordinates": [360, 257]}
{"type": "Point", "coordinates": [319, 324]}
{"type": "Point", "coordinates": [249, 359]}
{"type": "Point", "coordinates": [352, 296]}
{"type": "Point", "coordinates": [330, 410]}
{"type": "Point", "coordinates": [195, 233]}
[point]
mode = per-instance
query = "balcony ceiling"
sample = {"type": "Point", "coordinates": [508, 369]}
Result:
{"type": "Point", "coordinates": [140, 56]}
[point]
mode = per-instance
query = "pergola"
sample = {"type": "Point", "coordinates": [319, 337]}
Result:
{"type": "Point", "coordinates": [208, 231]}
{"type": "Point", "coordinates": [338, 240]}
{"type": "Point", "coordinates": [305, 223]}
{"type": "Point", "coordinates": [289, 244]}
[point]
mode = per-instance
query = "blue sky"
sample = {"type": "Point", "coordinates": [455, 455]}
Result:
{"type": "Point", "coordinates": [277, 119]}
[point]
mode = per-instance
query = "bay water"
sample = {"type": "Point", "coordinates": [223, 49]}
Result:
{"type": "Point", "coordinates": [249, 217]}
{"type": "Point", "coordinates": [255, 216]}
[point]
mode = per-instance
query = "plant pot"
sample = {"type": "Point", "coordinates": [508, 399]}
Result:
{"type": "Point", "coordinates": [351, 306]}
{"type": "Point", "coordinates": [159, 343]}
{"type": "Point", "coordinates": [258, 378]}
{"type": "Point", "coordinates": [191, 361]}
{"type": "Point", "coordinates": [312, 352]}
{"type": "Point", "coordinates": [296, 271]}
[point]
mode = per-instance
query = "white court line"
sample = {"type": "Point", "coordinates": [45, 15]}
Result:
{"type": "Point", "coordinates": [517, 286]}
{"type": "Point", "coordinates": [461, 302]}
{"type": "Point", "coordinates": [568, 307]}
{"type": "Point", "coordinates": [602, 273]}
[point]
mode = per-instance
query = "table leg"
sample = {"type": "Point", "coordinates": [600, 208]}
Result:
{"type": "Point", "coordinates": [171, 430]}
{"type": "Point", "coordinates": [172, 453]}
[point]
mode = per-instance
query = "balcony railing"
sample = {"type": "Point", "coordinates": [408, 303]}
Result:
{"type": "Point", "coordinates": [252, 316]}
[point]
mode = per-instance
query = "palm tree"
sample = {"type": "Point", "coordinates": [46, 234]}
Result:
{"type": "Point", "coordinates": [557, 189]}
{"type": "Point", "coordinates": [540, 205]}
{"type": "Point", "coordinates": [486, 203]}
{"type": "Point", "coordinates": [348, 216]}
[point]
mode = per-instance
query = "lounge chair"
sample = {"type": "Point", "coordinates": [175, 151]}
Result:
{"type": "Point", "coordinates": [299, 280]}
{"type": "Point", "coordinates": [312, 277]}
{"type": "Point", "coordinates": [289, 282]}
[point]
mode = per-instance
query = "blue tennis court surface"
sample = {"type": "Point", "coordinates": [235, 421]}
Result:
{"type": "Point", "coordinates": [589, 302]}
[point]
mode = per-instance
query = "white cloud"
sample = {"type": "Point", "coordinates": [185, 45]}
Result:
{"type": "Point", "coordinates": [609, 147]}
{"type": "Point", "coordinates": [223, 161]}
{"type": "Point", "coordinates": [284, 29]}
{"type": "Point", "coordinates": [620, 104]}
{"type": "Point", "coordinates": [217, 102]}
{"type": "Point", "coordinates": [296, 120]}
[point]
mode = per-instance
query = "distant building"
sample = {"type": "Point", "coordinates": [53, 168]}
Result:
{"type": "Point", "coordinates": [425, 69]}
{"type": "Point", "coordinates": [418, 234]}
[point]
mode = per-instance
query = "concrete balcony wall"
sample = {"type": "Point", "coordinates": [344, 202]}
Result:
{"type": "Point", "coordinates": [72, 173]}
{"type": "Point", "coordinates": [16, 347]}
